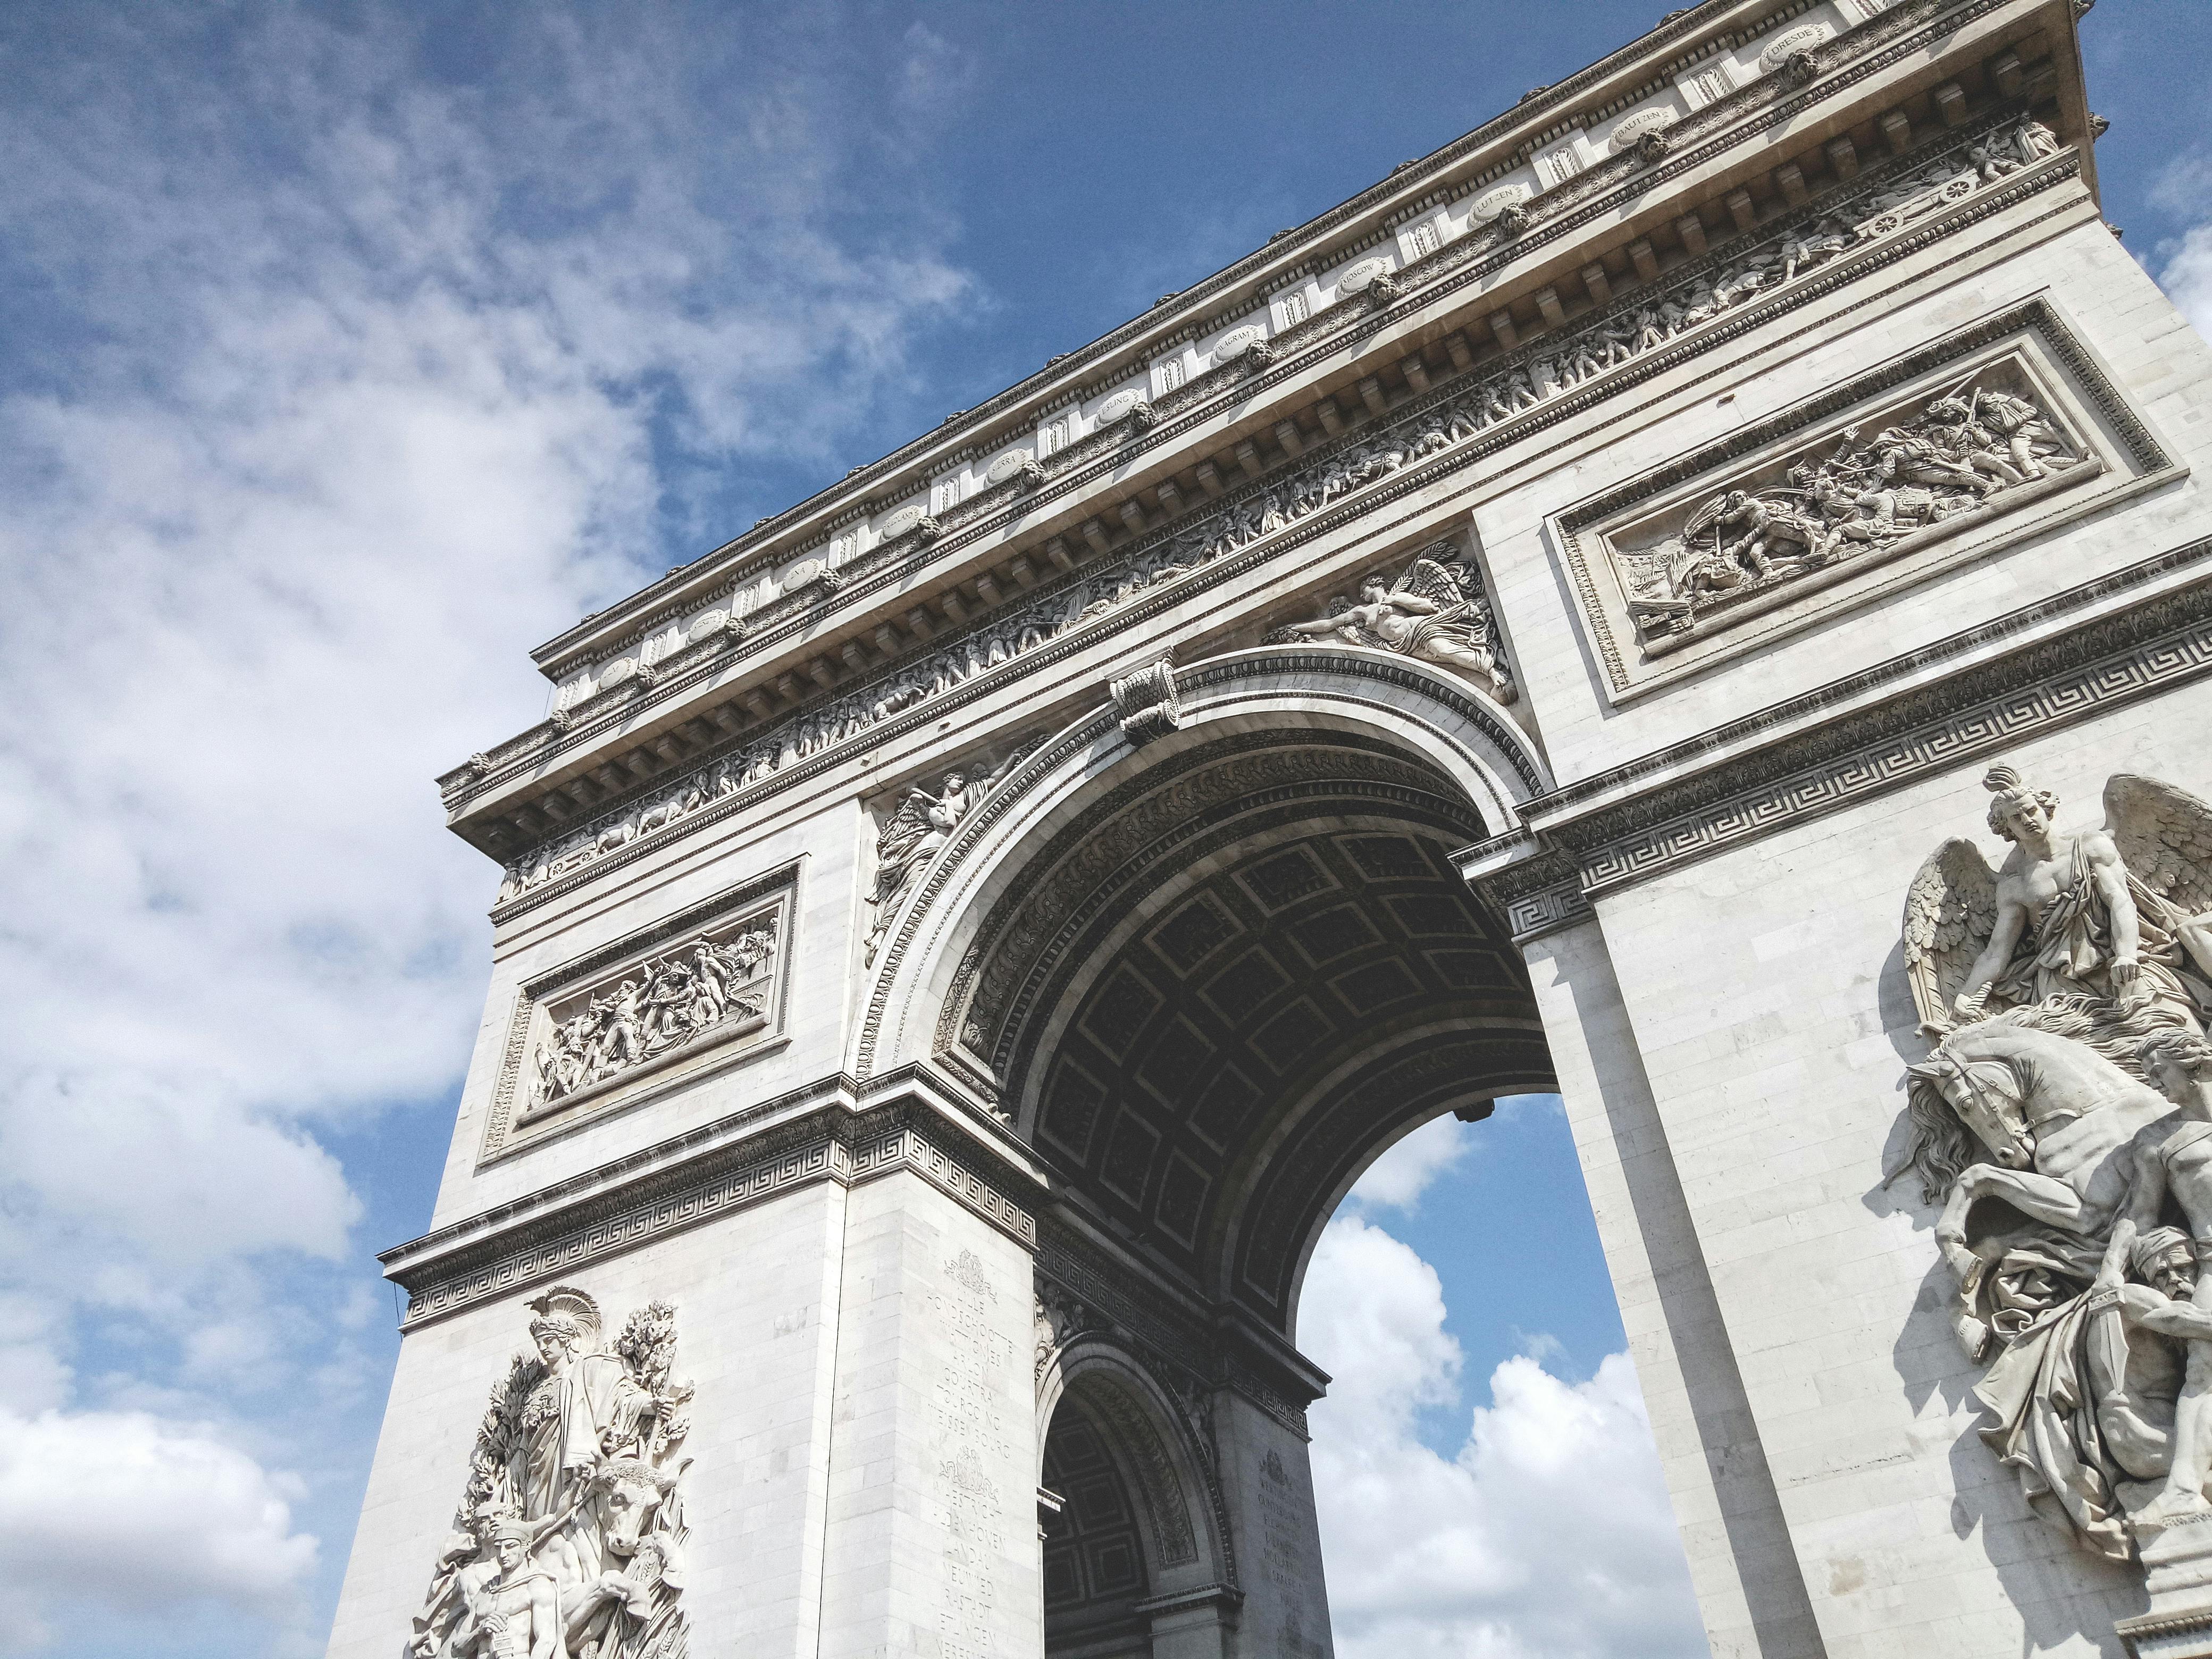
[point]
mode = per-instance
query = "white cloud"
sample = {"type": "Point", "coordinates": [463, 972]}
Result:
{"type": "Point", "coordinates": [2184, 263]}
{"type": "Point", "coordinates": [1396, 1180]}
{"type": "Point", "coordinates": [348, 383]}
{"type": "Point", "coordinates": [1548, 1536]}
{"type": "Point", "coordinates": [121, 1510]}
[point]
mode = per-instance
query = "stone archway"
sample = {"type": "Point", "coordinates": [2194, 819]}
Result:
{"type": "Point", "coordinates": [1137, 1560]}
{"type": "Point", "coordinates": [1204, 979]}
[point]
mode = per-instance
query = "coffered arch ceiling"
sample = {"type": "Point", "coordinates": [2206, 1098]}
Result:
{"type": "Point", "coordinates": [1218, 991]}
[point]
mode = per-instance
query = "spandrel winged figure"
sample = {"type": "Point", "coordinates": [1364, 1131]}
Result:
{"type": "Point", "coordinates": [2063, 1121]}
{"type": "Point", "coordinates": [2111, 919]}
{"type": "Point", "coordinates": [1434, 612]}
{"type": "Point", "coordinates": [916, 832]}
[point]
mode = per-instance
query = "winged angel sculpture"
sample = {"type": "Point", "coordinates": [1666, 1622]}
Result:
{"type": "Point", "coordinates": [2070, 1081]}
{"type": "Point", "coordinates": [1435, 612]}
{"type": "Point", "coordinates": [570, 1537]}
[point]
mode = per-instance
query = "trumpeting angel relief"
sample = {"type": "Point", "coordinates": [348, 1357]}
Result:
{"type": "Point", "coordinates": [570, 1537]}
{"type": "Point", "coordinates": [2070, 1082]}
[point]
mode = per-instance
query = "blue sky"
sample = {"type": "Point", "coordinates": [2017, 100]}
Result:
{"type": "Point", "coordinates": [346, 352]}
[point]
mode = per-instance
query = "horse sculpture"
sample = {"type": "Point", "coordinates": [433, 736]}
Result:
{"type": "Point", "coordinates": [2051, 1111]}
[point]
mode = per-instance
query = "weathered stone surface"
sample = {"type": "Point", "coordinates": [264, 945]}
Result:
{"type": "Point", "coordinates": [1530, 627]}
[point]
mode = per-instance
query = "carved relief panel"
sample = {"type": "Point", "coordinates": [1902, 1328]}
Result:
{"type": "Point", "coordinates": [1946, 453]}
{"type": "Point", "coordinates": [570, 1536]}
{"type": "Point", "coordinates": [688, 994]}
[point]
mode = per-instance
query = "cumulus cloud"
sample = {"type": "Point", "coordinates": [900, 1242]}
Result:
{"type": "Point", "coordinates": [1406, 1170]}
{"type": "Point", "coordinates": [1548, 1535]}
{"type": "Point", "coordinates": [337, 373]}
{"type": "Point", "coordinates": [122, 1511]}
{"type": "Point", "coordinates": [2183, 264]}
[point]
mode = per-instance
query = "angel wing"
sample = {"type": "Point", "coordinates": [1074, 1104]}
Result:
{"type": "Point", "coordinates": [1429, 580]}
{"type": "Point", "coordinates": [1950, 910]}
{"type": "Point", "coordinates": [2164, 835]}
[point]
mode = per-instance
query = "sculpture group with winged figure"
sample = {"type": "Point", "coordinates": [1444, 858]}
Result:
{"type": "Point", "coordinates": [2063, 1122]}
{"type": "Point", "coordinates": [569, 1541]}
{"type": "Point", "coordinates": [1436, 612]}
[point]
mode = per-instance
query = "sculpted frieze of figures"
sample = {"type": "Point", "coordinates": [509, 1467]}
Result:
{"type": "Point", "coordinates": [1531, 380]}
{"type": "Point", "coordinates": [2063, 1122]}
{"type": "Point", "coordinates": [713, 984]}
{"type": "Point", "coordinates": [1927, 469]}
{"type": "Point", "coordinates": [570, 1535]}
{"type": "Point", "coordinates": [1435, 612]}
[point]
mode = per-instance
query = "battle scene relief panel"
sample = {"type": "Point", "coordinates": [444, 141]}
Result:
{"type": "Point", "coordinates": [660, 1005]}
{"type": "Point", "coordinates": [1940, 455]}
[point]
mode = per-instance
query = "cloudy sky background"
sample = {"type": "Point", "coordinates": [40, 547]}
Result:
{"type": "Point", "coordinates": [345, 354]}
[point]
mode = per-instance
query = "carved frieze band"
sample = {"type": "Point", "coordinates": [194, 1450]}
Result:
{"type": "Point", "coordinates": [831, 1144]}
{"type": "Point", "coordinates": [2156, 645]}
{"type": "Point", "coordinates": [1568, 206]}
{"type": "Point", "coordinates": [1705, 304]}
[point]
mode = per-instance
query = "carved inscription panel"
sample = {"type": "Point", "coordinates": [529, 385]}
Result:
{"type": "Point", "coordinates": [971, 1409]}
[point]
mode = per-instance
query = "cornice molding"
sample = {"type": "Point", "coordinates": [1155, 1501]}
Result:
{"type": "Point", "coordinates": [1844, 60]}
{"type": "Point", "coordinates": [1615, 829]}
{"type": "Point", "coordinates": [1411, 479]}
{"type": "Point", "coordinates": [838, 1140]}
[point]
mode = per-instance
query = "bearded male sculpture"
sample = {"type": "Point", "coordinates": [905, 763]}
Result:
{"type": "Point", "coordinates": [568, 1542]}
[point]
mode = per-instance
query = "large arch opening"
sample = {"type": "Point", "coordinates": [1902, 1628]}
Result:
{"type": "Point", "coordinates": [1207, 981]}
{"type": "Point", "coordinates": [1213, 996]}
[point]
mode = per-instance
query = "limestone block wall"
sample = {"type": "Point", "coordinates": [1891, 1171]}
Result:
{"type": "Point", "coordinates": [934, 1447]}
{"type": "Point", "coordinates": [757, 1298]}
{"type": "Point", "coordinates": [1776, 1069]}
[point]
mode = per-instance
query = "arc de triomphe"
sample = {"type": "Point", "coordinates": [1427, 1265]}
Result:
{"type": "Point", "coordinates": [1588, 612]}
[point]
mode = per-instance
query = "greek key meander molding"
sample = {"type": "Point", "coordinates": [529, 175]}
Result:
{"type": "Point", "coordinates": [833, 1143]}
{"type": "Point", "coordinates": [2156, 645]}
{"type": "Point", "coordinates": [1777, 95]}
{"type": "Point", "coordinates": [1031, 635]}
{"type": "Point", "coordinates": [2037, 319]}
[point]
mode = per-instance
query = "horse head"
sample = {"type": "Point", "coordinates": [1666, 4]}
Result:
{"type": "Point", "coordinates": [1960, 1095]}
{"type": "Point", "coordinates": [2011, 1084]}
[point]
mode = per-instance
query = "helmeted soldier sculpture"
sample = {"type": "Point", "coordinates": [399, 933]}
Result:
{"type": "Point", "coordinates": [568, 1540]}
{"type": "Point", "coordinates": [2070, 1081]}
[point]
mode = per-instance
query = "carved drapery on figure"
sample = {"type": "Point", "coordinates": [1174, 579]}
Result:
{"type": "Point", "coordinates": [916, 832]}
{"type": "Point", "coordinates": [2066, 991]}
{"type": "Point", "coordinates": [571, 1522]}
{"type": "Point", "coordinates": [1437, 612]}
{"type": "Point", "coordinates": [1842, 500]}
{"type": "Point", "coordinates": [713, 984]}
